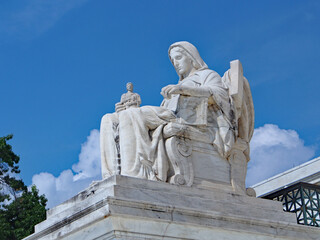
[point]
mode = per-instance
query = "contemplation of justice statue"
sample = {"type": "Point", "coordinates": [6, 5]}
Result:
{"type": "Point", "coordinates": [199, 135]}
{"type": "Point", "coordinates": [194, 148]}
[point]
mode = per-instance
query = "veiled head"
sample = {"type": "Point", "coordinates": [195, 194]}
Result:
{"type": "Point", "coordinates": [185, 58]}
{"type": "Point", "coordinates": [181, 61]}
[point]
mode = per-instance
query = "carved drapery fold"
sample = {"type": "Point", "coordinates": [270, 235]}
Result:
{"type": "Point", "coordinates": [179, 152]}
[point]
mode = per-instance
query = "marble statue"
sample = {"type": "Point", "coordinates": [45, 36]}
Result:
{"type": "Point", "coordinates": [129, 99]}
{"type": "Point", "coordinates": [198, 136]}
{"type": "Point", "coordinates": [198, 140]}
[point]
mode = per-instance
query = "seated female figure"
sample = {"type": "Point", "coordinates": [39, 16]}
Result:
{"type": "Point", "coordinates": [136, 134]}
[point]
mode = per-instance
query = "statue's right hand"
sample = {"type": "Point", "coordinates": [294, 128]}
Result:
{"type": "Point", "coordinates": [168, 90]}
{"type": "Point", "coordinates": [164, 92]}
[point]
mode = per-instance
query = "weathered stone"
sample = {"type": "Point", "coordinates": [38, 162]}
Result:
{"type": "Point", "coordinates": [129, 208]}
{"type": "Point", "coordinates": [198, 136]}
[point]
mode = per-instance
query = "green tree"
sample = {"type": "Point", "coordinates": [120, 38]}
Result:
{"type": "Point", "coordinates": [9, 185]}
{"type": "Point", "coordinates": [20, 208]}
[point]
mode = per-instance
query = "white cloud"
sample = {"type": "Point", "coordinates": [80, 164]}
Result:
{"type": "Point", "coordinates": [89, 159]}
{"type": "Point", "coordinates": [274, 150]}
{"type": "Point", "coordinates": [69, 183]}
{"type": "Point", "coordinates": [34, 17]}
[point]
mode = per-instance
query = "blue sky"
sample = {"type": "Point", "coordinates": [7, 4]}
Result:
{"type": "Point", "coordinates": [65, 63]}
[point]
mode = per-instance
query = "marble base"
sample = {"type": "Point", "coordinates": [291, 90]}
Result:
{"type": "Point", "coordinates": [128, 208]}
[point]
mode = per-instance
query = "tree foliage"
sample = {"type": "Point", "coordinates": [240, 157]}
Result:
{"type": "Point", "coordinates": [9, 185]}
{"type": "Point", "coordinates": [20, 208]}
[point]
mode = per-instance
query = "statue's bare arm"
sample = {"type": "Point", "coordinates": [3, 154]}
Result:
{"type": "Point", "coordinates": [167, 91]}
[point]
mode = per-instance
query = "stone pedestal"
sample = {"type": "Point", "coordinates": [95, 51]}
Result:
{"type": "Point", "coordinates": [127, 208]}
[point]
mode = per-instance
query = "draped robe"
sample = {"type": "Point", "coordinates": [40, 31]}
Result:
{"type": "Point", "coordinates": [140, 130]}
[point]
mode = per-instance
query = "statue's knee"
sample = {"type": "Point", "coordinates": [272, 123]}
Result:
{"type": "Point", "coordinates": [109, 117]}
{"type": "Point", "coordinates": [106, 117]}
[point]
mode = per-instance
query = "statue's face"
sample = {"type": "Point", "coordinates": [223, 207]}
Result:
{"type": "Point", "coordinates": [181, 62]}
{"type": "Point", "coordinates": [129, 87]}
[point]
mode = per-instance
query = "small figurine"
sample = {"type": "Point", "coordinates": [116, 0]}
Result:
{"type": "Point", "coordinates": [128, 99]}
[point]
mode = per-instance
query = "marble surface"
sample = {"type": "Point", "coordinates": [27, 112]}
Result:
{"type": "Point", "coordinates": [129, 208]}
{"type": "Point", "coordinates": [128, 99]}
{"type": "Point", "coordinates": [200, 132]}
